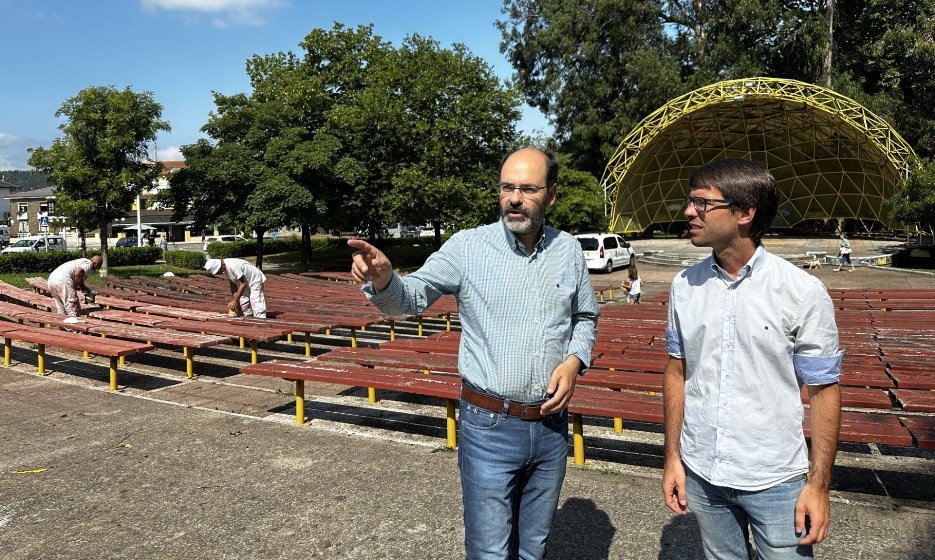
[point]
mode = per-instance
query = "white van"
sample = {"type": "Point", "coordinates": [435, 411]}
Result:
{"type": "Point", "coordinates": [37, 244]}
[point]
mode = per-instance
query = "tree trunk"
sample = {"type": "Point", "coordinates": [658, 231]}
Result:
{"type": "Point", "coordinates": [84, 242]}
{"type": "Point", "coordinates": [438, 234]}
{"type": "Point", "coordinates": [259, 247]}
{"type": "Point", "coordinates": [306, 248]}
{"type": "Point", "coordinates": [102, 227]}
{"type": "Point", "coordinates": [826, 62]}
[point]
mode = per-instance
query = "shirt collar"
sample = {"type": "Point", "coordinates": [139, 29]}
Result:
{"type": "Point", "coordinates": [755, 263]}
{"type": "Point", "coordinates": [515, 244]}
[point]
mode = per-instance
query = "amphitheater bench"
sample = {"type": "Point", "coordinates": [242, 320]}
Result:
{"type": "Point", "coordinates": [113, 349]}
{"type": "Point", "coordinates": [413, 382]}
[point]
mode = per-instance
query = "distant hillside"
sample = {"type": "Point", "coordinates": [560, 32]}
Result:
{"type": "Point", "coordinates": [26, 180]}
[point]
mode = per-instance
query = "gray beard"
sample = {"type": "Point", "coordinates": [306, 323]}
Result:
{"type": "Point", "coordinates": [530, 223]}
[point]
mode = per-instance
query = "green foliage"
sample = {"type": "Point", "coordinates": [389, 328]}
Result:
{"type": "Point", "coordinates": [47, 262]}
{"type": "Point", "coordinates": [915, 203]}
{"type": "Point", "coordinates": [579, 204]}
{"type": "Point", "coordinates": [186, 259]}
{"type": "Point", "coordinates": [597, 67]}
{"type": "Point", "coordinates": [102, 155]}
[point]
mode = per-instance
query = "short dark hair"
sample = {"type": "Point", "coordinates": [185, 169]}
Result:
{"type": "Point", "coordinates": [551, 165]}
{"type": "Point", "coordinates": [747, 183]}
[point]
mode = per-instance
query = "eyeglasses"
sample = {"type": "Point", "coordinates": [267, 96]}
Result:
{"type": "Point", "coordinates": [701, 204]}
{"type": "Point", "coordinates": [527, 191]}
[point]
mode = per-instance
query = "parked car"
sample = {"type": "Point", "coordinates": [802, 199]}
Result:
{"type": "Point", "coordinates": [128, 242]}
{"type": "Point", "coordinates": [605, 251]}
{"type": "Point", "coordinates": [37, 244]}
{"type": "Point", "coordinates": [223, 239]}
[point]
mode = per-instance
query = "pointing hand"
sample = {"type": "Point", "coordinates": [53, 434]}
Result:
{"type": "Point", "coordinates": [370, 264]}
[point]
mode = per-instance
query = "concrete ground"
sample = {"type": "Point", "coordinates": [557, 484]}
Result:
{"type": "Point", "coordinates": [216, 468]}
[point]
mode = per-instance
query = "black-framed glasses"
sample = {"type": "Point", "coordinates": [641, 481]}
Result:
{"type": "Point", "coordinates": [701, 204]}
{"type": "Point", "coordinates": [527, 191]}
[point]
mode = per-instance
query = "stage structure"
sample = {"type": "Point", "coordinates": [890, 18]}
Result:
{"type": "Point", "coordinates": [832, 157]}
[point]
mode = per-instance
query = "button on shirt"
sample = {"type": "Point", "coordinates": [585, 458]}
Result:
{"type": "Point", "coordinates": [748, 345]}
{"type": "Point", "coordinates": [521, 314]}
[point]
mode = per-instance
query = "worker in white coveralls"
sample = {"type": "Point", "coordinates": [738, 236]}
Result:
{"type": "Point", "coordinates": [246, 283]}
{"type": "Point", "coordinates": [67, 280]}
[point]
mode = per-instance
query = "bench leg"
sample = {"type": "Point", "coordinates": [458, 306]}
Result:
{"type": "Point", "coordinates": [577, 438]}
{"type": "Point", "coordinates": [300, 402]}
{"type": "Point", "coordinates": [611, 291]}
{"type": "Point", "coordinates": [123, 360]}
{"type": "Point", "coordinates": [253, 356]}
{"type": "Point", "coordinates": [328, 331]}
{"type": "Point", "coordinates": [41, 359]}
{"type": "Point", "coordinates": [618, 425]}
{"type": "Point", "coordinates": [189, 362]}
{"type": "Point", "coordinates": [289, 338]}
{"type": "Point", "coordinates": [242, 343]}
{"type": "Point", "coordinates": [600, 297]}
{"type": "Point", "coordinates": [420, 325]}
{"type": "Point", "coordinates": [353, 337]}
{"type": "Point", "coordinates": [448, 322]}
{"type": "Point", "coordinates": [392, 330]}
{"type": "Point", "coordinates": [308, 345]}
{"type": "Point", "coordinates": [452, 425]}
{"type": "Point", "coordinates": [113, 374]}
{"type": "Point", "coordinates": [86, 355]}
{"type": "Point", "coordinates": [6, 351]}
{"type": "Point", "coordinates": [371, 394]}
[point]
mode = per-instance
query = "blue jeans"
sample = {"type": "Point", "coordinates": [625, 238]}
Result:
{"type": "Point", "coordinates": [511, 475]}
{"type": "Point", "coordinates": [724, 515]}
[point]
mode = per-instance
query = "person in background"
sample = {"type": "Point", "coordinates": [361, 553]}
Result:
{"type": "Point", "coordinates": [746, 330]}
{"type": "Point", "coordinates": [632, 284]}
{"type": "Point", "coordinates": [67, 280]}
{"type": "Point", "coordinates": [844, 253]}
{"type": "Point", "coordinates": [529, 316]}
{"type": "Point", "coordinates": [246, 284]}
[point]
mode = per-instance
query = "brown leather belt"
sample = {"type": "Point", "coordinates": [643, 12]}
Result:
{"type": "Point", "coordinates": [493, 404]}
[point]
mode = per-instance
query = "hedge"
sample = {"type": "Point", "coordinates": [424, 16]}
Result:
{"type": "Point", "coordinates": [17, 263]}
{"type": "Point", "coordinates": [186, 259]}
{"type": "Point", "coordinates": [219, 250]}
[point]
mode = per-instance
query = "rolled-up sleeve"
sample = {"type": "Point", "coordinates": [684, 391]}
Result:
{"type": "Point", "coordinates": [816, 356]}
{"type": "Point", "coordinates": [585, 313]}
{"type": "Point", "coordinates": [673, 334]}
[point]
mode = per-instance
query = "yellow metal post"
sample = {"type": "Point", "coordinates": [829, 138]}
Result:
{"type": "Point", "coordinates": [577, 438]}
{"type": "Point", "coordinates": [41, 359]}
{"type": "Point", "coordinates": [308, 345]}
{"type": "Point", "coordinates": [618, 425]}
{"type": "Point", "coordinates": [123, 360]}
{"type": "Point", "coordinates": [328, 331]}
{"type": "Point", "coordinates": [253, 356]}
{"type": "Point", "coordinates": [420, 325]}
{"type": "Point", "coordinates": [371, 394]}
{"type": "Point", "coordinates": [600, 296]}
{"type": "Point", "coordinates": [289, 337]}
{"type": "Point", "coordinates": [448, 322]}
{"type": "Point", "coordinates": [189, 362]}
{"type": "Point", "coordinates": [6, 351]}
{"type": "Point", "coordinates": [242, 343]}
{"type": "Point", "coordinates": [392, 330]}
{"type": "Point", "coordinates": [353, 337]}
{"type": "Point", "coordinates": [451, 424]}
{"type": "Point", "coordinates": [300, 401]}
{"type": "Point", "coordinates": [113, 374]}
{"type": "Point", "coordinates": [611, 293]}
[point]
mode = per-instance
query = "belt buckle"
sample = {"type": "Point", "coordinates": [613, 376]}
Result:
{"type": "Point", "coordinates": [527, 412]}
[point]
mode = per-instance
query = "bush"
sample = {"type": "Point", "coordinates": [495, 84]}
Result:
{"type": "Point", "coordinates": [18, 263]}
{"type": "Point", "coordinates": [218, 250]}
{"type": "Point", "coordinates": [186, 259]}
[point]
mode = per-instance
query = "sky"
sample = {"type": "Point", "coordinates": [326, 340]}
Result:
{"type": "Point", "coordinates": [183, 50]}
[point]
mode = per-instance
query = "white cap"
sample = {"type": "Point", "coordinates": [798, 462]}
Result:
{"type": "Point", "coordinates": [168, 274]}
{"type": "Point", "coordinates": [213, 266]}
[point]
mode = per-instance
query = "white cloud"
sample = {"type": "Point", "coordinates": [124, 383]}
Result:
{"type": "Point", "coordinates": [13, 151]}
{"type": "Point", "coordinates": [226, 13]}
{"type": "Point", "coordinates": [172, 153]}
{"type": "Point", "coordinates": [7, 139]}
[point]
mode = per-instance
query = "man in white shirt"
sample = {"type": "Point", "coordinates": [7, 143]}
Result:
{"type": "Point", "coordinates": [746, 330]}
{"type": "Point", "coordinates": [66, 280]}
{"type": "Point", "coordinates": [246, 284]}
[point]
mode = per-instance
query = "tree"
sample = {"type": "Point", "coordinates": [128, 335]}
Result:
{"type": "Point", "coordinates": [915, 203]}
{"type": "Point", "coordinates": [598, 67]}
{"type": "Point", "coordinates": [80, 214]}
{"type": "Point", "coordinates": [579, 205]}
{"type": "Point", "coordinates": [101, 160]}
